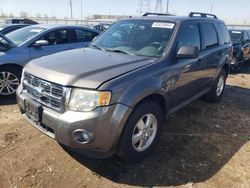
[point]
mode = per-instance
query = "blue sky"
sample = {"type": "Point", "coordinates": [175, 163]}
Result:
{"type": "Point", "coordinates": [230, 10]}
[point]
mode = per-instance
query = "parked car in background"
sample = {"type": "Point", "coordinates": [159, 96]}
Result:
{"type": "Point", "coordinates": [114, 96]}
{"type": "Point", "coordinates": [102, 26]}
{"type": "Point", "coordinates": [20, 21]}
{"type": "Point", "coordinates": [241, 45]}
{"type": "Point", "coordinates": [32, 42]}
{"type": "Point", "coordinates": [7, 28]}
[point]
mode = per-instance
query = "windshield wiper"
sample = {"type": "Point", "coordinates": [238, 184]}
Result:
{"type": "Point", "coordinates": [119, 51]}
{"type": "Point", "coordinates": [97, 47]}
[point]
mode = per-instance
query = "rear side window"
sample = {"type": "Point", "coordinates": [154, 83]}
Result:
{"type": "Point", "coordinates": [84, 35]}
{"type": "Point", "coordinates": [210, 35]}
{"type": "Point", "coordinates": [190, 36]}
{"type": "Point", "coordinates": [224, 33]}
{"type": "Point", "coordinates": [245, 36]}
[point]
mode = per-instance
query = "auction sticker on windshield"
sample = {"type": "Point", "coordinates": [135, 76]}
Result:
{"type": "Point", "coordinates": [237, 32]}
{"type": "Point", "coordinates": [163, 25]}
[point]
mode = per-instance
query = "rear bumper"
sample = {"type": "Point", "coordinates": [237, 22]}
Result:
{"type": "Point", "coordinates": [104, 126]}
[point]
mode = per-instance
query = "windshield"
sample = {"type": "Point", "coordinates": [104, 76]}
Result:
{"type": "Point", "coordinates": [136, 37]}
{"type": "Point", "coordinates": [20, 36]}
{"type": "Point", "coordinates": [235, 37]}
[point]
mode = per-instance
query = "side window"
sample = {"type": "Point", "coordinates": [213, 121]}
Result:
{"type": "Point", "coordinates": [224, 33]}
{"type": "Point", "coordinates": [190, 36]}
{"type": "Point", "coordinates": [57, 37]}
{"type": "Point", "coordinates": [84, 35]}
{"type": "Point", "coordinates": [245, 36]}
{"type": "Point", "coordinates": [210, 35]}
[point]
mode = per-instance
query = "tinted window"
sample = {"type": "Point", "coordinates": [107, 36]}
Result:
{"type": "Point", "coordinates": [57, 37]}
{"type": "Point", "coordinates": [190, 36]}
{"type": "Point", "coordinates": [245, 36]}
{"type": "Point", "coordinates": [224, 34]}
{"type": "Point", "coordinates": [209, 34]}
{"type": "Point", "coordinates": [85, 36]}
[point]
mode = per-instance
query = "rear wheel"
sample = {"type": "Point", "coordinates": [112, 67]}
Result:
{"type": "Point", "coordinates": [9, 80]}
{"type": "Point", "coordinates": [217, 90]}
{"type": "Point", "coordinates": [141, 132]}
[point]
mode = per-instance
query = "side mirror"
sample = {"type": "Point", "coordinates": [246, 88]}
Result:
{"type": "Point", "coordinates": [40, 43]}
{"type": "Point", "coordinates": [4, 47]}
{"type": "Point", "coordinates": [188, 52]}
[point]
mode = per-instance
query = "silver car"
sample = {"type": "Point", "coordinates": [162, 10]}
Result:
{"type": "Point", "coordinates": [19, 47]}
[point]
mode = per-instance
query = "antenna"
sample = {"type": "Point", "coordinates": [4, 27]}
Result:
{"type": "Point", "coordinates": [158, 6]}
{"type": "Point", "coordinates": [143, 7]}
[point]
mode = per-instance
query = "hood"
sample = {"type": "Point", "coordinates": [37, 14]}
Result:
{"type": "Point", "coordinates": [85, 68]}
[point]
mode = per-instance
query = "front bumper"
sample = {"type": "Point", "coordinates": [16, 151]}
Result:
{"type": "Point", "coordinates": [104, 124]}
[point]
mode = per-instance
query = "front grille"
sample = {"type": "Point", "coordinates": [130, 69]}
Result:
{"type": "Point", "coordinates": [46, 93]}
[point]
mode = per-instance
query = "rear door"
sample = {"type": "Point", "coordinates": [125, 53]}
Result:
{"type": "Point", "coordinates": [189, 72]}
{"type": "Point", "coordinates": [59, 40]}
{"type": "Point", "coordinates": [214, 52]}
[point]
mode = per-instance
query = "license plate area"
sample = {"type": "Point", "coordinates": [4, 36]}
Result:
{"type": "Point", "coordinates": [33, 110]}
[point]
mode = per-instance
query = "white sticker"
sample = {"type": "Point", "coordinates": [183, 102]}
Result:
{"type": "Point", "coordinates": [237, 32]}
{"type": "Point", "coordinates": [163, 25]}
{"type": "Point", "coordinates": [36, 30]}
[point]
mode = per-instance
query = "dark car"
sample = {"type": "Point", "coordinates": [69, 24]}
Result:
{"type": "Point", "coordinates": [241, 44]}
{"type": "Point", "coordinates": [115, 95]}
{"type": "Point", "coordinates": [7, 28]}
{"type": "Point", "coordinates": [102, 26]}
{"type": "Point", "coordinates": [20, 21]}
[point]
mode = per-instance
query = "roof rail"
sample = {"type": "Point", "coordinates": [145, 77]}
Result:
{"type": "Point", "coordinates": [156, 14]}
{"type": "Point", "coordinates": [202, 15]}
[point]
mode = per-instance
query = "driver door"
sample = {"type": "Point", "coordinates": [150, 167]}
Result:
{"type": "Point", "coordinates": [58, 40]}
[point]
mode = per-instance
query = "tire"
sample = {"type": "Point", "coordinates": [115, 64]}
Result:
{"type": "Point", "coordinates": [130, 151]}
{"type": "Point", "coordinates": [218, 88]}
{"type": "Point", "coordinates": [10, 78]}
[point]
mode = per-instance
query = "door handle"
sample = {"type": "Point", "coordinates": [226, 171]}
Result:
{"type": "Point", "coordinates": [187, 66]}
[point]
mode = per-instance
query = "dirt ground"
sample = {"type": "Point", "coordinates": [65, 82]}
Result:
{"type": "Point", "coordinates": [203, 145]}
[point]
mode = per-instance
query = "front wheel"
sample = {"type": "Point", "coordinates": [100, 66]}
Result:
{"type": "Point", "coordinates": [217, 90]}
{"type": "Point", "coordinates": [9, 81]}
{"type": "Point", "coordinates": [141, 132]}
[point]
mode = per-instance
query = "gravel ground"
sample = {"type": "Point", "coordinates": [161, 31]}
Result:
{"type": "Point", "coordinates": [202, 145]}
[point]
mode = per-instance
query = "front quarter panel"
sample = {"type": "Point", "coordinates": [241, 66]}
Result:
{"type": "Point", "coordinates": [131, 88]}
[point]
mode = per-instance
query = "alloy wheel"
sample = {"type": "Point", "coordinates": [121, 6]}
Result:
{"type": "Point", "coordinates": [9, 83]}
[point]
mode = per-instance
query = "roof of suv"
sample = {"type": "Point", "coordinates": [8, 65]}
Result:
{"type": "Point", "coordinates": [174, 18]}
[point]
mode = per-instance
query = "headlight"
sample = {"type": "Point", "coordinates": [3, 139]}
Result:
{"type": "Point", "coordinates": [86, 100]}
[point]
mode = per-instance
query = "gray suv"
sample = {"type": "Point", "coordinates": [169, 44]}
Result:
{"type": "Point", "coordinates": [114, 96]}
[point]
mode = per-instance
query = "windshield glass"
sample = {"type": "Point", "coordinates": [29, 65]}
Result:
{"type": "Point", "coordinates": [20, 36]}
{"type": "Point", "coordinates": [235, 37]}
{"type": "Point", "coordinates": [136, 37]}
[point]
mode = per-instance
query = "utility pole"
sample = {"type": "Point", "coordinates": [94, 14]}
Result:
{"type": "Point", "coordinates": [167, 6]}
{"type": "Point", "coordinates": [71, 10]}
{"type": "Point", "coordinates": [143, 7]}
{"type": "Point", "coordinates": [212, 8]}
{"type": "Point", "coordinates": [158, 6]}
{"type": "Point", "coordinates": [81, 10]}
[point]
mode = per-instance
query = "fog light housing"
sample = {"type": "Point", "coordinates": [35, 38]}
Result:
{"type": "Point", "coordinates": [82, 136]}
